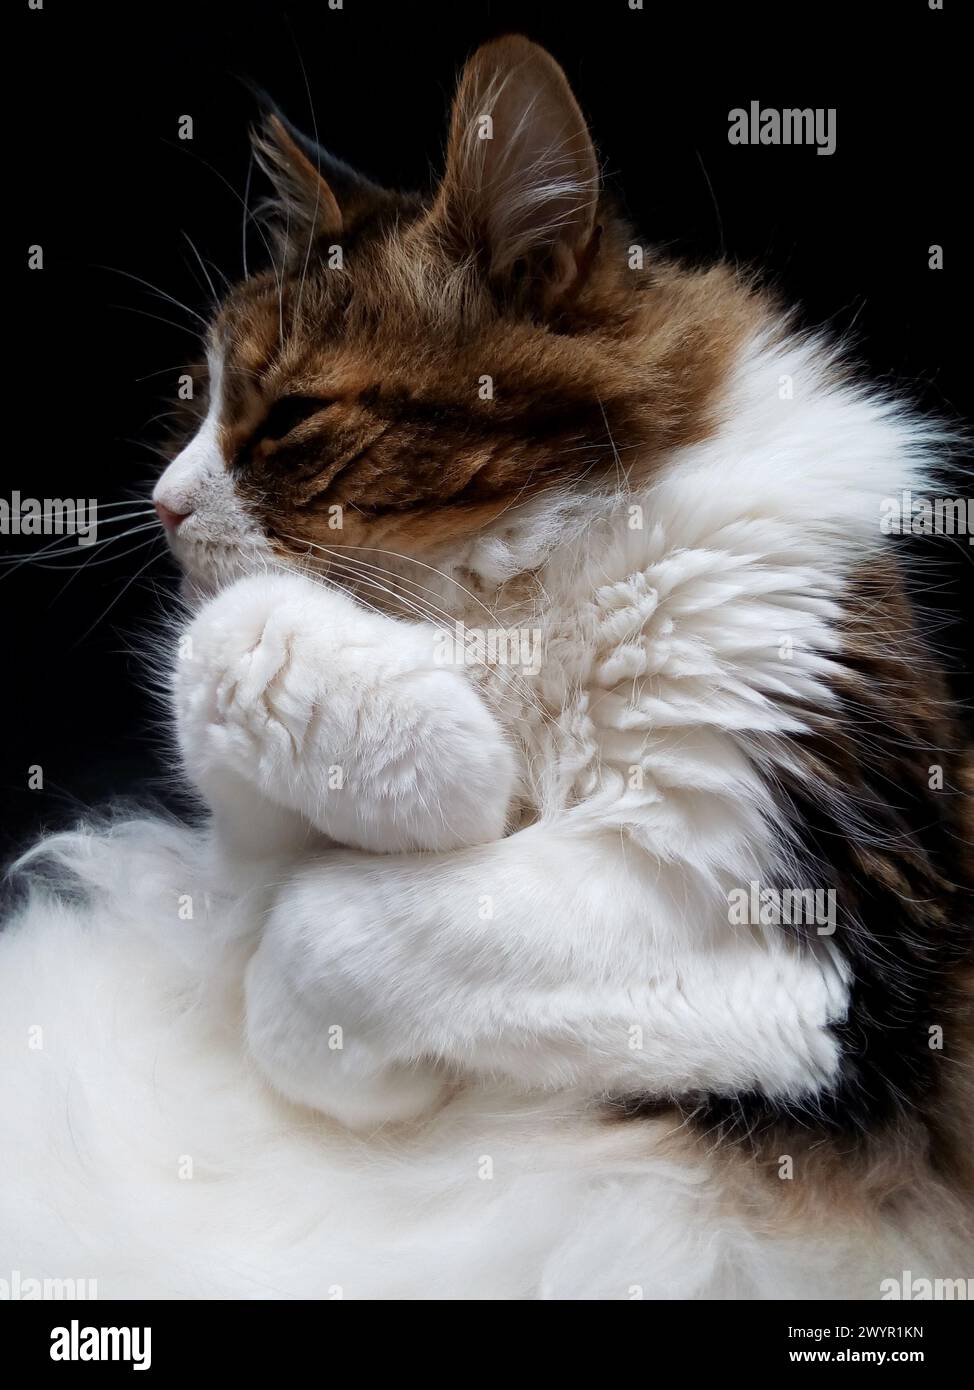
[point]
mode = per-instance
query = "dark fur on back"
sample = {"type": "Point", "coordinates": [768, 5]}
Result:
{"type": "Point", "coordinates": [878, 809]}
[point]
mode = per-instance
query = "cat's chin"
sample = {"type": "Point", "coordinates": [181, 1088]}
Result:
{"type": "Point", "coordinates": [206, 571]}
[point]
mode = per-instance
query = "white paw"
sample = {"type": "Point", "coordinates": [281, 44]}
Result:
{"type": "Point", "coordinates": [342, 716]}
{"type": "Point", "coordinates": [249, 682]}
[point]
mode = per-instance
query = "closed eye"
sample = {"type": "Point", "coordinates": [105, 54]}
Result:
{"type": "Point", "coordinates": [287, 413]}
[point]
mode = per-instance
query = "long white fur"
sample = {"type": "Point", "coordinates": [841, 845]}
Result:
{"type": "Point", "coordinates": [491, 987]}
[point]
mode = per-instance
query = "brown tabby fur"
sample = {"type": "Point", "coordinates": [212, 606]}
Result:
{"type": "Point", "coordinates": [595, 367]}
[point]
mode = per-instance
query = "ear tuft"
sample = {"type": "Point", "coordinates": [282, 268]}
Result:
{"type": "Point", "coordinates": [304, 195]}
{"type": "Point", "coordinates": [316, 193]}
{"type": "Point", "coordinates": [521, 185]}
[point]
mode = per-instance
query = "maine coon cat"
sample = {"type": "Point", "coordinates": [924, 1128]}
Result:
{"type": "Point", "coordinates": [684, 880]}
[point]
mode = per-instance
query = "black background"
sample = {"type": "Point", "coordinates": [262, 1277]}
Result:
{"type": "Point", "coordinates": [100, 179]}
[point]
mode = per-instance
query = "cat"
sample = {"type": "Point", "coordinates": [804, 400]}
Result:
{"type": "Point", "coordinates": [685, 880]}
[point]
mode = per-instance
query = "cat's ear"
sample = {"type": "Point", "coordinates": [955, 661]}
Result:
{"type": "Point", "coordinates": [521, 185]}
{"type": "Point", "coordinates": [316, 194]}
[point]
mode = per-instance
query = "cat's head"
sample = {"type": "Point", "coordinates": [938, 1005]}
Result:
{"type": "Point", "coordinates": [409, 372]}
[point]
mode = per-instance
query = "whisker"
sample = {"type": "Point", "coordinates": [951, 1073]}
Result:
{"type": "Point", "coordinates": [47, 552]}
{"type": "Point", "coordinates": [431, 612]}
{"type": "Point", "coordinates": [184, 148]}
{"type": "Point", "coordinates": [165, 455]}
{"type": "Point", "coordinates": [92, 563]}
{"type": "Point", "coordinates": [119, 502]}
{"type": "Point", "coordinates": [506, 675]}
{"type": "Point", "coordinates": [109, 559]}
{"type": "Point", "coordinates": [163, 415]}
{"type": "Point", "coordinates": [125, 588]}
{"type": "Point", "coordinates": [129, 309]}
{"type": "Point", "coordinates": [178, 366]}
{"type": "Point", "coordinates": [206, 273]}
{"type": "Point", "coordinates": [246, 214]}
{"type": "Point", "coordinates": [410, 559]}
{"type": "Point", "coordinates": [156, 290]}
{"type": "Point", "coordinates": [314, 126]}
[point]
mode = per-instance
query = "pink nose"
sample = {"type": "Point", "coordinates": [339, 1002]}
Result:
{"type": "Point", "coordinates": [168, 517]}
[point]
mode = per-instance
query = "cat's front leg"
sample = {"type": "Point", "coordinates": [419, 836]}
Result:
{"type": "Point", "coordinates": [341, 717]}
{"type": "Point", "coordinates": [555, 958]}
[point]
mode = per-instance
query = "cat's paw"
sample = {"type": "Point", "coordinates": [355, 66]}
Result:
{"type": "Point", "coordinates": [342, 716]}
{"type": "Point", "coordinates": [249, 682]}
{"type": "Point", "coordinates": [297, 1034]}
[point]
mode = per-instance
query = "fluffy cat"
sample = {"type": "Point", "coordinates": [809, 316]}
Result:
{"type": "Point", "coordinates": [482, 906]}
